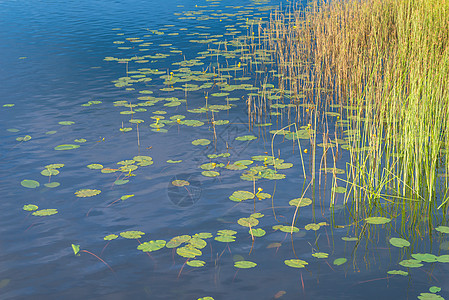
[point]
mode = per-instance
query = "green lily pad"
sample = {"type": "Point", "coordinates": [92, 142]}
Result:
{"type": "Point", "coordinates": [226, 232]}
{"type": "Point", "coordinates": [262, 196]}
{"type": "Point", "coordinates": [210, 173]}
{"type": "Point", "coordinates": [30, 207]}
{"type": "Point", "coordinates": [196, 263]}
{"type": "Point", "coordinates": [399, 242]}
{"type": "Point", "coordinates": [398, 272]}
{"type": "Point", "coordinates": [285, 228]}
{"type": "Point", "coordinates": [434, 289]}
{"type": "Point", "coordinates": [188, 252]}
{"type": "Point", "coordinates": [95, 166]}
{"type": "Point", "coordinates": [320, 255]}
{"type": "Point", "coordinates": [174, 161]}
{"type": "Point", "coordinates": [132, 234]}
{"type": "Point", "coordinates": [180, 183]}
{"type": "Point", "coordinates": [110, 237]}
{"type": "Point", "coordinates": [257, 232]}
{"type": "Point", "coordinates": [340, 261]}
{"type": "Point", "coordinates": [66, 123]}
{"type": "Point", "coordinates": [425, 257]}
{"type": "Point", "coordinates": [52, 184]}
{"type": "Point", "coordinates": [54, 166]}
{"type": "Point", "coordinates": [312, 226]}
{"type": "Point", "coordinates": [377, 220]}
{"type": "Point", "coordinates": [429, 296]}
{"type": "Point", "coordinates": [177, 241]}
{"type": "Point", "coordinates": [248, 222]}
{"type": "Point", "coordinates": [45, 212]}
{"type": "Point", "coordinates": [350, 239]}
{"type": "Point", "coordinates": [300, 202]}
{"type": "Point", "coordinates": [76, 249]}
{"type": "Point", "coordinates": [296, 263]}
{"type": "Point", "coordinates": [197, 242]}
{"type": "Point", "coordinates": [80, 140]}
{"type": "Point", "coordinates": [87, 193]}
{"type": "Point", "coordinates": [28, 183]}
{"type": "Point", "coordinates": [244, 264]}
{"type": "Point", "coordinates": [257, 215]}
{"type": "Point", "coordinates": [244, 162]}
{"type": "Point", "coordinates": [202, 142]}
{"type": "Point", "coordinates": [50, 172]}
{"type": "Point", "coordinates": [411, 263]}
{"type": "Point", "coordinates": [246, 138]}
{"type": "Point", "coordinates": [66, 147]}
{"type": "Point", "coordinates": [442, 229]}
{"type": "Point", "coordinates": [151, 246]}
{"type": "Point", "coordinates": [239, 196]}
{"type": "Point", "coordinates": [203, 235]}
{"type": "Point", "coordinates": [339, 190]}
{"type": "Point", "coordinates": [24, 138]}
{"type": "Point", "coordinates": [225, 238]}
{"type": "Point", "coordinates": [443, 258]}
{"type": "Point", "coordinates": [121, 181]}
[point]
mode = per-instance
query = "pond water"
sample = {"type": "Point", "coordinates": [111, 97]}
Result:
{"type": "Point", "coordinates": [130, 97]}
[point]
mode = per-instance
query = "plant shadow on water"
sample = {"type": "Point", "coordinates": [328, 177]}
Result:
{"type": "Point", "coordinates": [230, 151]}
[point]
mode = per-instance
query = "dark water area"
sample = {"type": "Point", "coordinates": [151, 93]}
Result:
{"type": "Point", "coordinates": [52, 64]}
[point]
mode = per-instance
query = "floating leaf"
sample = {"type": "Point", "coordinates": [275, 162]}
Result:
{"type": "Point", "coordinates": [434, 289]}
{"type": "Point", "coordinates": [197, 242]}
{"type": "Point", "coordinates": [443, 258]}
{"type": "Point", "coordinates": [429, 296]}
{"type": "Point", "coordinates": [31, 184]}
{"type": "Point", "coordinates": [132, 234]}
{"type": "Point", "coordinates": [110, 237]}
{"type": "Point", "coordinates": [196, 263]}
{"type": "Point", "coordinates": [23, 138]}
{"type": "Point", "coordinates": [398, 272]}
{"type": "Point", "coordinates": [284, 228]}
{"type": "Point", "coordinates": [226, 232]}
{"type": "Point", "coordinates": [210, 173]}
{"type": "Point", "coordinates": [377, 220]}
{"type": "Point", "coordinates": [45, 212]}
{"type": "Point", "coordinates": [174, 161]}
{"type": "Point", "coordinates": [296, 263]}
{"type": "Point", "coordinates": [80, 140]}
{"type": "Point", "coordinates": [442, 229]}
{"type": "Point", "coordinates": [124, 197]}
{"type": "Point", "coordinates": [300, 202]}
{"type": "Point", "coordinates": [95, 166]}
{"type": "Point", "coordinates": [411, 263]}
{"type": "Point", "coordinates": [52, 184]}
{"type": "Point", "coordinates": [339, 189]}
{"type": "Point", "coordinates": [66, 147]}
{"type": "Point", "coordinates": [312, 226]}
{"type": "Point", "coordinates": [239, 196]}
{"type": "Point", "coordinates": [225, 238]}
{"type": "Point", "coordinates": [246, 138]}
{"type": "Point", "coordinates": [244, 264]}
{"type": "Point", "coordinates": [151, 246]}
{"type": "Point", "coordinates": [87, 193]}
{"type": "Point", "coordinates": [188, 252]}
{"type": "Point", "coordinates": [76, 249]}
{"type": "Point", "coordinates": [257, 215]}
{"type": "Point", "coordinates": [399, 242]}
{"type": "Point", "coordinates": [248, 222]}
{"type": "Point", "coordinates": [350, 239]}
{"type": "Point", "coordinates": [425, 257]}
{"type": "Point", "coordinates": [320, 255]}
{"type": "Point", "coordinates": [203, 235]}
{"type": "Point", "coordinates": [202, 142]}
{"type": "Point", "coordinates": [66, 123]}
{"type": "Point", "coordinates": [30, 207]}
{"type": "Point", "coordinates": [257, 232]}
{"type": "Point", "coordinates": [340, 261]}
{"type": "Point", "coordinates": [121, 181]}
{"type": "Point", "coordinates": [54, 166]}
{"type": "Point", "coordinates": [178, 240]}
{"type": "Point", "coordinates": [50, 172]}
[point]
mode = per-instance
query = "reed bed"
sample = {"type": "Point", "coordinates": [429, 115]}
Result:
{"type": "Point", "coordinates": [384, 65]}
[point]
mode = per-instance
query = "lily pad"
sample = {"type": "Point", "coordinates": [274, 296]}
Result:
{"type": "Point", "coordinates": [197, 242]}
{"type": "Point", "coordinates": [257, 232]}
{"type": "Point", "coordinates": [188, 252]}
{"type": "Point", "coordinates": [296, 263]}
{"type": "Point", "coordinates": [28, 183]}
{"type": "Point", "coordinates": [350, 239]}
{"type": "Point", "coordinates": [443, 258]}
{"type": "Point", "coordinates": [442, 229]}
{"type": "Point", "coordinates": [210, 173]}
{"type": "Point", "coordinates": [52, 184]}
{"type": "Point", "coordinates": [429, 296]}
{"type": "Point", "coordinates": [399, 242]}
{"type": "Point", "coordinates": [196, 263]}
{"type": "Point", "coordinates": [244, 264]}
{"type": "Point", "coordinates": [180, 183]}
{"type": "Point", "coordinates": [398, 272]}
{"type": "Point", "coordinates": [45, 212]}
{"type": "Point", "coordinates": [225, 238]}
{"type": "Point", "coordinates": [246, 138]}
{"type": "Point", "coordinates": [411, 263]}
{"type": "Point", "coordinates": [300, 202]}
{"type": "Point", "coordinates": [151, 246]}
{"type": "Point", "coordinates": [121, 181]}
{"type": "Point", "coordinates": [178, 240]}
{"type": "Point", "coordinates": [239, 196]}
{"type": "Point", "coordinates": [66, 147]}
{"type": "Point", "coordinates": [66, 123]}
{"type": "Point", "coordinates": [95, 166]}
{"type": "Point", "coordinates": [248, 222]}
{"type": "Point", "coordinates": [132, 234]}
{"type": "Point", "coordinates": [425, 257]}
{"type": "Point", "coordinates": [49, 172]}
{"type": "Point", "coordinates": [339, 190]}
{"type": "Point", "coordinates": [320, 255]}
{"type": "Point", "coordinates": [377, 220]}
{"type": "Point", "coordinates": [110, 237]}
{"type": "Point", "coordinates": [87, 193]}
{"type": "Point", "coordinates": [30, 207]}
{"type": "Point", "coordinates": [312, 226]}
{"type": "Point", "coordinates": [202, 142]}
{"type": "Point", "coordinates": [23, 138]}
{"type": "Point", "coordinates": [340, 261]}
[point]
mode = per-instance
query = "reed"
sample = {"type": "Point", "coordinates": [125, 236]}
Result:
{"type": "Point", "coordinates": [385, 65]}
